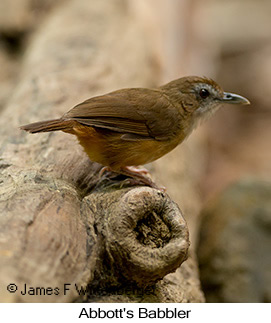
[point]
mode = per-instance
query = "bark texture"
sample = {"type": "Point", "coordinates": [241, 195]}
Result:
{"type": "Point", "coordinates": [59, 224]}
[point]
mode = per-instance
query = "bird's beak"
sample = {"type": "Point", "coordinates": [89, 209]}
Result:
{"type": "Point", "coordinates": [234, 99]}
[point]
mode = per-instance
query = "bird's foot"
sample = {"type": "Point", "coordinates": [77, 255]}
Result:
{"type": "Point", "coordinates": [104, 170]}
{"type": "Point", "coordinates": [139, 176]}
{"type": "Point", "coordinates": [131, 170]}
{"type": "Point", "coordinates": [136, 170]}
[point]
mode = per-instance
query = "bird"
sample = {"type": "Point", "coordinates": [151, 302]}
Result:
{"type": "Point", "coordinates": [130, 127]}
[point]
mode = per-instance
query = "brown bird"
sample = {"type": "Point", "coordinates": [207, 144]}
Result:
{"type": "Point", "coordinates": [136, 126]}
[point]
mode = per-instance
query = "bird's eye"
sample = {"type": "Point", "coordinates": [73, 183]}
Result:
{"type": "Point", "coordinates": [204, 93]}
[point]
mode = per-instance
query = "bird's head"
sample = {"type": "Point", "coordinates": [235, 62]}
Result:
{"type": "Point", "coordinates": [200, 97]}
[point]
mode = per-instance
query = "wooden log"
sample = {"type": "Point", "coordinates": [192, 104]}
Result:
{"type": "Point", "coordinates": [61, 229]}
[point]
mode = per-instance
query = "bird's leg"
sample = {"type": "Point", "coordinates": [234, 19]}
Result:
{"type": "Point", "coordinates": [139, 176]}
{"type": "Point", "coordinates": [136, 170]}
{"type": "Point", "coordinates": [104, 170]}
{"type": "Point", "coordinates": [131, 169]}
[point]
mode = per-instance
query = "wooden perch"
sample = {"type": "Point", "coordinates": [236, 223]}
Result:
{"type": "Point", "coordinates": [145, 234]}
{"type": "Point", "coordinates": [61, 228]}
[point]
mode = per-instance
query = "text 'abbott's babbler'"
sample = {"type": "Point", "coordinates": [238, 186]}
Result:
{"type": "Point", "coordinates": [142, 312]}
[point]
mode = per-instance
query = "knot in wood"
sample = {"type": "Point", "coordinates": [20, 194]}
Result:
{"type": "Point", "coordinates": [147, 236]}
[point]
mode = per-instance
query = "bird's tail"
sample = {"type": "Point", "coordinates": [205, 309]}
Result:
{"type": "Point", "coordinates": [49, 125]}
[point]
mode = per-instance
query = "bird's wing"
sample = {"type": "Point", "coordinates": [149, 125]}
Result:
{"type": "Point", "coordinates": [137, 113]}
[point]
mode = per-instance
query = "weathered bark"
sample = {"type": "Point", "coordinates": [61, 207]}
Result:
{"type": "Point", "coordinates": [58, 223]}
